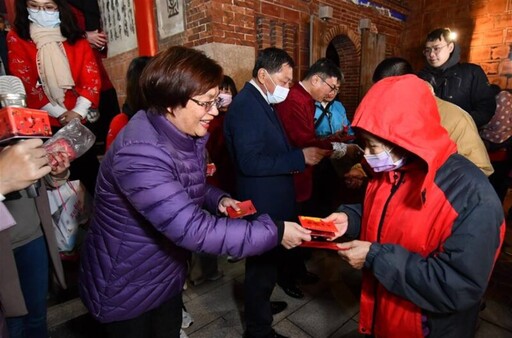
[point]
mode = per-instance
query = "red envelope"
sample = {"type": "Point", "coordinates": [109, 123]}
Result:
{"type": "Point", "coordinates": [318, 227]}
{"type": "Point", "coordinates": [321, 245]}
{"type": "Point", "coordinates": [246, 208]}
{"type": "Point", "coordinates": [210, 169]}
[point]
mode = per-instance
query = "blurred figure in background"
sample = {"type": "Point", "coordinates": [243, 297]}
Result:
{"type": "Point", "coordinates": [29, 248]}
{"type": "Point", "coordinates": [463, 84]}
{"type": "Point", "coordinates": [134, 99]}
{"type": "Point", "coordinates": [48, 52]}
{"type": "Point", "coordinates": [88, 17]}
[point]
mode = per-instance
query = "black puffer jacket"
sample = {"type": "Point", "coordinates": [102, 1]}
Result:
{"type": "Point", "coordinates": [464, 84]}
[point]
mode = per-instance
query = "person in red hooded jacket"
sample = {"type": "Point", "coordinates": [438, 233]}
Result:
{"type": "Point", "coordinates": [431, 225]}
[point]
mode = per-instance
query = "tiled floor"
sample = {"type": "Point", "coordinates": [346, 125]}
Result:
{"type": "Point", "coordinates": [329, 309]}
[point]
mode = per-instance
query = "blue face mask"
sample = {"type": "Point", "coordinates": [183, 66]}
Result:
{"type": "Point", "coordinates": [44, 18]}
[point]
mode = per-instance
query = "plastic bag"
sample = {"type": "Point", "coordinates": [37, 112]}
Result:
{"type": "Point", "coordinates": [74, 139]}
{"type": "Point", "coordinates": [70, 207]}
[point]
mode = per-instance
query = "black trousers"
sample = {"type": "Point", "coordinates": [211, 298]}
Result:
{"type": "Point", "coordinates": [260, 279]}
{"type": "Point", "coordinates": [161, 322]}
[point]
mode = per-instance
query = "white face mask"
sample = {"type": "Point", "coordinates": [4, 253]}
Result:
{"type": "Point", "coordinates": [44, 18]}
{"type": "Point", "coordinates": [280, 93]}
{"type": "Point", "coordinates": [225, 99]}
{"type": "Point", "coordinates": [383, 161]}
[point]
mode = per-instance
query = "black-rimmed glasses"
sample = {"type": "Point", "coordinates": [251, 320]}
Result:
{"type": "Point", "coordinates": [45, 8]}
{"type": "Point", "coordinates": [333, 88]}
{"type": "Point", "coordinates": [208, 105]}
{"type": "Point", "coordinates": [435, 49]}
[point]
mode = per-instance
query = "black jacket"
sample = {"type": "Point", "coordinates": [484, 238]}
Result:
{"type": "Point", "coordinates": [464, 84]}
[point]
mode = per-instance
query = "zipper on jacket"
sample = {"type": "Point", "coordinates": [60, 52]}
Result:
{"type": "Point", "coordinates": [398, 179]}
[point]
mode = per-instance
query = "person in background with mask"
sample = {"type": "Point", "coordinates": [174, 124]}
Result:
{"type": "Point", "coordinates": [51, 56]}
{"type": "Point", "coordinates": [265, 163]}
{"type": "Point", "coordinates": [431, 226]}
{"type": "Point", "coordinates": [204, 266]}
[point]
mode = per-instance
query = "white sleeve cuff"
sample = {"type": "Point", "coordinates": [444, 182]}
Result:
{"type": "Point", "coordinates": [82, 106]}
{"type": "Point", "coordinates": [2, 197]}
{"type": "Point", "coordinates": [54, 110]}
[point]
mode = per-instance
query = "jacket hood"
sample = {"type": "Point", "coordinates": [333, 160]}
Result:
{"type": "Point", "coordinates": [403, 111]}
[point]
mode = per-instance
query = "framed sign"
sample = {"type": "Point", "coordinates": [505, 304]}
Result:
{"type": "Point", "coordinates": [119, 25]}
{"type": "Point", "coordinates": [171, 17]}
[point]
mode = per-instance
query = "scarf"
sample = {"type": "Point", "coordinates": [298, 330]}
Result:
{"type": "Point", "coordinates": [52, 63]}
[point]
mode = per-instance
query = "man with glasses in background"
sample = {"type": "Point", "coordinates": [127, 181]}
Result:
{"type": "Point", "coordinates": [464, 84]}
{"type": "Point", "coordinates": [264, 164]}
{"type": "Point", "coordinates": [297, 114]}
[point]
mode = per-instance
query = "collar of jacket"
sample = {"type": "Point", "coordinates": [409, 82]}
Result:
{"type": "Point", "coordinates": [168, 130]}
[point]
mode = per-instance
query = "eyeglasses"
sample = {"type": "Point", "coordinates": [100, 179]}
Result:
{"type": "Point", "coordinates": [333, 88]}
{"type": "Point", "coordinates": [208, 105]}
{"type": "Point", "coordinates": [435, 49]}
{"type": "Point", "coordinates": [45, 8]}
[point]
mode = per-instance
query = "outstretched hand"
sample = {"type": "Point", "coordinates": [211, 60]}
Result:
{"type": "Point", "coordinates": [294, 235]}
{"type": "Point", "coordinates": [340, 220]}
{"type": "Point", "coordinates": [354, 253]}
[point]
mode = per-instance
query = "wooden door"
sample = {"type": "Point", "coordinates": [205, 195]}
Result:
{"type": "Point", "coordinates": [373, 51]}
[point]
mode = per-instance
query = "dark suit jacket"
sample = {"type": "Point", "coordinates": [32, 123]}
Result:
{"type": "Point", "coordinates": [263, 158]}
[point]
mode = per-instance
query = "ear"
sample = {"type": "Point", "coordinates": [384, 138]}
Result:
{"type": "Point", "coordinates": [451, 47]}
{"type": "Point", "coordinates": [261, 75]}
{"type": "Point", "coordinates": [315, 79]}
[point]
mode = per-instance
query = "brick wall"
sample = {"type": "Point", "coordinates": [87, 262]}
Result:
{"type": "Point", "coordinates": [484, 30]}
{"type": "Point", "coordinates": [259, 24]}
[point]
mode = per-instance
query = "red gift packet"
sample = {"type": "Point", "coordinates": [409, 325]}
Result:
{"type": "Point", "coordinates": [246, 208]}
{"type": "Point", "coordinates": [318, 227]}
{"type": "Point", "coordinates": [210, 169]}
{"type": "Point", "coordinates": [321, 245]}
{"type": "Point", "coordinates": [20, 122]}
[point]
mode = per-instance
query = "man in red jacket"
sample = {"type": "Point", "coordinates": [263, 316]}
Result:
{"type": "Point", "coordinates": [297, 115]}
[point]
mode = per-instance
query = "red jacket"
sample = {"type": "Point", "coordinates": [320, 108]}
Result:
{"type": "Point", "coordinates": [84, 70]}
{"type": "Point", "coordinates": [297, 115]}
{"type": "Point", "coordinates": [81, 21]}
{"type": "Point", "coordinates": [436, 225]}
{"type": "Point", "coordinates": [116, 125]}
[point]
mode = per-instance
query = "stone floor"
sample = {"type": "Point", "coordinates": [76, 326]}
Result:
{"type": "Point", "coordinates": [329, 309]}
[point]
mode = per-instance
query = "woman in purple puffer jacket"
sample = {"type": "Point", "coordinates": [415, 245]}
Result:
{"type": "Point", "coordinates": [153, 206]}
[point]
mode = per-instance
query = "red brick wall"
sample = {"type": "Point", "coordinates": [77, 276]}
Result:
{"type": "Point", "coordinates": [484, 28]}
{"type": "Point", "coordinates": [260, 23]}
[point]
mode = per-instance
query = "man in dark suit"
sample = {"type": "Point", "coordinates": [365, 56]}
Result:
{"type": "Point", "coordinates": [265, 163]}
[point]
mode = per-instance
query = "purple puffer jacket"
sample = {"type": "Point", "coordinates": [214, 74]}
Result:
{"type": "Point", "coordinates": [150, 214]}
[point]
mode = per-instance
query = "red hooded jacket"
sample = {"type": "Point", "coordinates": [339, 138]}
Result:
{"type": "Point", "coordinates": [436, 225]}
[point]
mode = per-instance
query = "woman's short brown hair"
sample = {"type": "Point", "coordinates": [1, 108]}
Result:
{"type": "Point", "coordinates": [177, 74]}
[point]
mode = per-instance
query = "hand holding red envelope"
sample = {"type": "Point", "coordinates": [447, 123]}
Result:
{"type": "Point", "coordinates": [246, 209]}
{"type": "Point", "coordinates": [319, 228]}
